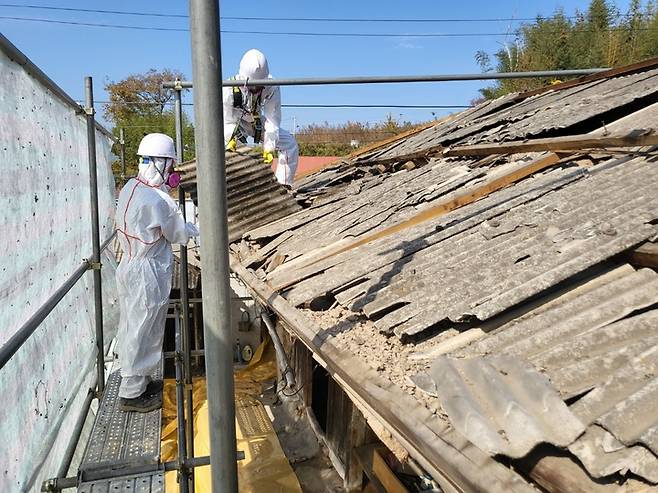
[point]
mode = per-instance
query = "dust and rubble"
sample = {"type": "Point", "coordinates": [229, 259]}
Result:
{"type": "Point", "coordinates": [392, 359]}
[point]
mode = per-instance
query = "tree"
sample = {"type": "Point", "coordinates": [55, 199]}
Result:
{"type": "Point", "coordinates": [140, 105]}
{"type": "Point", "coordinates": [140, 94]}
{"type": "Point", "coordinates": [598, 37]}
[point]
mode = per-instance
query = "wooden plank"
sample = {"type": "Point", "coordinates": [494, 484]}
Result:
{"type": "Point", "coordinates": [303, 367]}
{"type": "Point", "coordinates": [365, 456]}
{"type": "Point", "coordinates": [454, 201]}
{"type": "Point", "coordinates": [358, 434]}
{"type": "Point", "coordinates": [389, 480]}
{"type": "Point", "coordinates": [561, 473]}
{"type": "Point", "coordinates": [634, 138]}
{"type": "Point", "coordinates": [452, 344]}
{"type": "Point", "coordinates": [403, 416]}
{"type": "Point", "coordinates": [646, 255]}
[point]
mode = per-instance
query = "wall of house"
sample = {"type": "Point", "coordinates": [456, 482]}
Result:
{"type": "Point", "coordinates": [47, 233]}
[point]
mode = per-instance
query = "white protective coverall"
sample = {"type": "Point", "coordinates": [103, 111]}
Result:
{"type": "Point", "coordinates": [254, 66]}
{"type": "Point", "coordinates": [148, 222]}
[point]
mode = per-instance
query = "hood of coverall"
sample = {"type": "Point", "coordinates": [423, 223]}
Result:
{"type": "Point", "coordinates": [154, 148]}
{"type": "Point", "coordinates": [254, 66]}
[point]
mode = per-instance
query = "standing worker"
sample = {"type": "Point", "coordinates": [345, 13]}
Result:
{"type": "Point", "coordinates": [148, 222]}
{"type": "Point", "coordinates": [242, 117]}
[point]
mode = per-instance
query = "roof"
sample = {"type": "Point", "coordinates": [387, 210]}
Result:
{"type": "Point", "coordinates": [502, 277]}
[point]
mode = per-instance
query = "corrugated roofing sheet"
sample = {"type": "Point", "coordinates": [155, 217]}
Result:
{"type": "Point", "coordinates": [254, 196]}
{"type": "Point", "coordinates": [542, 243]}
{"type": "Point", "coordinates": [368, 265]}
{"type": "Point", "coordinates": [600, 337]}
{"type": "Point", "coordinates": [489, 262]}
{"type": "Point", "coordinates": [581, 340]}
{"type": "Point", "coordinates": [603, 455]}
{"type": "Point", "coordinates": [502, 404]}
{"type": "Point", "coordinates": [552, 112]}
{"type": "Point", "coordinates": [626, 405]}
{"type": "Point", "coordinates": [371, 206]}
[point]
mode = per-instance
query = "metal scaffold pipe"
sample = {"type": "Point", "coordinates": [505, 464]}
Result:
{"type": "Point", "coordinates": [183, 476]}
{"type": "Point", "coordinates": [16, 341]}
{"type": "Point", "coordinates": [211, 172]}
{"type": "Point", "coordinates": [184, 295]}
{"type": "Point", "coordinates": [95, 233]}
{"type": "Point", "coordinates": [122, 151]}
{"type": "Point", "coordinates": [394, 79]}
{"type": "Point", "coordinates": [77, 432]}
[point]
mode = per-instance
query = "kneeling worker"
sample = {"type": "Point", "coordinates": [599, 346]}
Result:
{"type": "Point", "coordinates": [148, 222]}
{"type": "Point", "coordinates": [242, 117]}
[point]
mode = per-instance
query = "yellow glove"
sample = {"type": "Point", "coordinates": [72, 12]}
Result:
{"type": "Point", "coordinates": [232, 145]}
{"type": "Point", "coordinates": [268, 157]}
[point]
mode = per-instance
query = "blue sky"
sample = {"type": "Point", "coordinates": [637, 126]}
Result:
{"type": "Point", "coordinates": [67, 53]}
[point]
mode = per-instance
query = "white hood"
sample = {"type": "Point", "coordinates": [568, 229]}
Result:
{"type": "Point", "coordinates": [254, 66]}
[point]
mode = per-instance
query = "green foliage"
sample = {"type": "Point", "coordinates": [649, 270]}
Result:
{"type": "Point", "coordinates": [140, 106]}
{"type": "Point", "coordinates": [339, 140]}
{"type": "Point", "coordinates": [325, 149]}
{"type": "Point", "coordinates": [600, 37]}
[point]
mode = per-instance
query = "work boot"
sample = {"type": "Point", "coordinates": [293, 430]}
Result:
{"type": "Point", "coordinates": [154, 387]}
{"type": "Point", "coordinates": [145, 403]}
{"type": "Point", "coordinates": [150, 400]}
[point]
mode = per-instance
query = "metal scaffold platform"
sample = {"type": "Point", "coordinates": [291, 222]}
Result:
{"type": "Point", "coordinates": [144, 483]}
{"type": "Point", "coordinates": [122, 441]}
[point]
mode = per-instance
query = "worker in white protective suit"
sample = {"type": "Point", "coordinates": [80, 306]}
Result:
{"type": "Point", "coordinates": [256, 112]}
{"type": "Point", "coordinates": [148, 222]}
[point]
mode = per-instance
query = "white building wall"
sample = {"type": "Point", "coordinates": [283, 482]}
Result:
{"type": "Point", "coordinates": [45, 213]}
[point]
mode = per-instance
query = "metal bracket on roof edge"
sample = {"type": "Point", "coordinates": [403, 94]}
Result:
{"type": "Point", "coordinates": [86, 111]}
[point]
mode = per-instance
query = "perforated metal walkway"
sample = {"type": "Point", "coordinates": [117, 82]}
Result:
{"type": "Point", "coordinates": [146, 483]}
{"type": "Point", "coordinates": [120, 440]}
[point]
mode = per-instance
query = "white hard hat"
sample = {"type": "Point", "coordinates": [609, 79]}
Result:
{"type": "Point", "coordinates": [254, 65]}
{"type": "Point", "coordinates": [157, 145]}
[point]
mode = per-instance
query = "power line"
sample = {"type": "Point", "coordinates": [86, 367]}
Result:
{"type": "Point", "coordinates": [270, 33]}
{"type": "Point", "coordinates": [95, 11]}
{"type": "Point", "coordinates": [289, 33]}
{"type": "Point", "coordinates": [287, 19]}
{"type": "Point", "coordinates": [93, 24]}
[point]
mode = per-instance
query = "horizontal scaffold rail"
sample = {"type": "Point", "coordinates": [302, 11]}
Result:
{"type": "Point", "coordinates": [17, 340]}
{"type": "Point", "coordinates": [392, 79]}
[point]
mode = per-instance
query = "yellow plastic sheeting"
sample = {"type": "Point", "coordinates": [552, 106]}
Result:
{"type": "Point", "coordinates": [265, 468]}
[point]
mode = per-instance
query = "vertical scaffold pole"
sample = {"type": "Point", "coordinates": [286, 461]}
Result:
{"type": "Point", "coordinates": [211, 185]}
{"type": "Point", "coordinates": [185, 297]}
{"type": "Point", "coordinates": [95, 233]}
